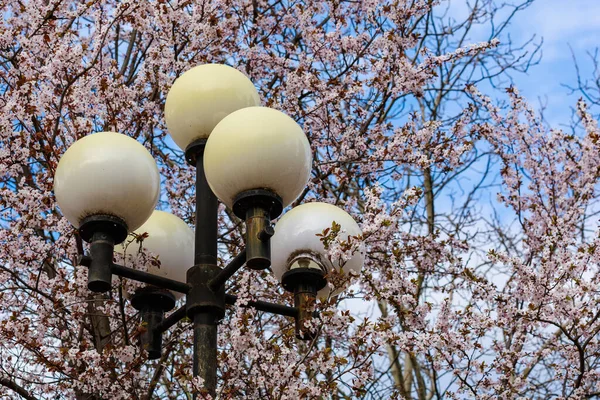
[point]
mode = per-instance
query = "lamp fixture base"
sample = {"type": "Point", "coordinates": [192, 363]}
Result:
{"type": "Point", "coordinates": [264, 199]}
{"type": "Point", "coordinates": [258, 207]}
{"type": "Point", "coordinates": [152, 302]}
{"type": "Point", "coordinates": [304, 283]}
{"type": "Point", "coordinates": [194, 150]}
{"type": "Point", "coordinates": [301, 277]}
{"type": "Point", "coordinates": [153, 297]}
{"type": "Point", "coordinates": [109, 225]}
{"type": "Point", "coordinates": [102, 232]}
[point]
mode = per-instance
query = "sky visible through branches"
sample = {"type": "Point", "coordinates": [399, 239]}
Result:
{"type": "Point", "coordinates": [479, 216]}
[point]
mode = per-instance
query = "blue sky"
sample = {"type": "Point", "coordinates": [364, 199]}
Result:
{"type": "Point", "coordinates": [561, 23]}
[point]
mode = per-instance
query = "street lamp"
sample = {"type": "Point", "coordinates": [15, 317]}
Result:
{"type": "Point", "coordinates": [255, 160]}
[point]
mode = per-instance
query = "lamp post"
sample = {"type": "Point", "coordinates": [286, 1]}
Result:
{"type": "Point", "coordinates": [255, 160]}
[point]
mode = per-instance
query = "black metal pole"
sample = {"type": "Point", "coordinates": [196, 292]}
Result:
{"type": "Point", "coordinates": [205, 250]}
{"type": "Point", "coordinates": [205, 306]}
{"type": "Point", "coordinates": [205, 352]}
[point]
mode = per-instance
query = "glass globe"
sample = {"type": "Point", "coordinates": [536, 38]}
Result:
{"type": "Point", "coordinates": [257, 148]}
{"type": "Point", "coordinates": [296, 244]}
{"type": "Point", "coordinates": [170, 239]}
{"type": "Point", "coordinates": [201, 97]}
{"type": "Point", "coordinates": [107, 173]}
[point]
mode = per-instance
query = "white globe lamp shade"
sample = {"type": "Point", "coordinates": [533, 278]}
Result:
{"type": "Point", "coordinates": [171, 240]}
{"type": "Point", "coordinates": [257, 148]}
{"type": "Point", "coordinates": [107, 173]}
{"type": "Point", "coordinates": [296, 238]}
{"type": "Point", "coordinates": [201, 97]}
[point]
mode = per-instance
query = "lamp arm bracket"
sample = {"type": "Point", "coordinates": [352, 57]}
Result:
{"type": "Point", "coordinates": [227, 272]}
{"type": "Point", "coordinates": [151, 279]}
{"type": "Point", "coordinates": [265, 306]}
{"type": "Point", "coordinates": [141, 276]}
{"type": "Point", "coordinates": [172, 319]}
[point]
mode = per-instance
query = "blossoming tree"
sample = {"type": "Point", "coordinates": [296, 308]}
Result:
{"type": "Point", "coordinates": [463, 293]}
